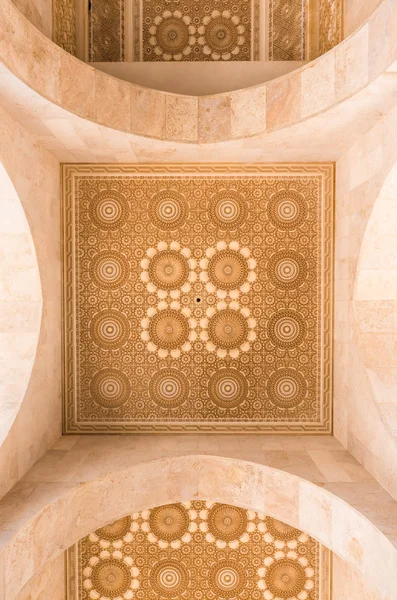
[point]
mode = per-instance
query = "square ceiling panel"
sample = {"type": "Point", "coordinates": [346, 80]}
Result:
{"type": "Point", "coordinates": [198, 298]}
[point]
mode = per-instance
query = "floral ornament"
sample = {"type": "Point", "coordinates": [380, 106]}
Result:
{"type": "Point", "coordinates": [170, 525]}
{"type": "Point", "coordinates": [228, 329]}
{"type": "Point", "coordinates": [111, 575]}
{"type": "Point", "coordinates": [172, 35]}
{"type": "Point", "coordinates": [114, 533]}
{"type": "Point", "coordinates": [285, 576]}
{"type": "Point", "coordinates": [226, 525]}
{"type": "Point", "coordinates": [221, 35]}
{"type": "Point", "coordinates": [280, 534]}
{"type": "Point", "coordinates": [168, 329]}
{"type": "Point", "coordinates": [228, 270]}
{"type": "Point", "coordinates": [167, 270]}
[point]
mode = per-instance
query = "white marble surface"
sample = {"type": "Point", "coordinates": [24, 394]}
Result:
{"type": "Point", "coordinates": [85, 482]}
{"type": "Point", "coordinates": [73, 104]}
{"type": "Point", "coordinates": [20, 304]}
{"type": "Point", "coordinates": [365, 385]}
{"type": "Point", "coordinates": [30, 296]}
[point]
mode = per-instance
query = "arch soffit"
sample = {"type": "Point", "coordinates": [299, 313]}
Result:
{"type": "Point", "coordinates": [302, 504]}
{"type": "Point", "coordinates": [375, 301]}
{"type": "Point", "coordinates": [79, 88]}
{"type": "Point", "coordinates": [21, 303]}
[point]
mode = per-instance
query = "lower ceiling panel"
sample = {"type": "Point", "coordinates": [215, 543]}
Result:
{"type": "Point", "coordinates": [198, 551]}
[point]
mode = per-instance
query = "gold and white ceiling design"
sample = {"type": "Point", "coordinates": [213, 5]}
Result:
{"type": "Point", "coordinates": [198, 298]}
{"type": "Point", "coordinates": [196, 30]}
{"type": "Point", "coordinates": [198, 551]}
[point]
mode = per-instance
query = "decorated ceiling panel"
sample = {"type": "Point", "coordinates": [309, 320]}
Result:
{"type": "Point", "coordinates": [198, 298]}
{"type": "Point", "coordinates": [197, 30]}
{"type": "Point", "coordinates": [198, 551]}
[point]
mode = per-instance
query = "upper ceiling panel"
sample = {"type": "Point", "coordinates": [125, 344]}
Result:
{"type": "Point", "coordinates": [197, 30]}
{"type": "Point", "coordinates": [198, 298]}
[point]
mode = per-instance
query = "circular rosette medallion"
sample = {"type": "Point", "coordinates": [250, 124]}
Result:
{"type": "Point", "coordinates": [170, 522]}
{"type": "Point", "coordinates": [116, 530]}
{"type": "Point", "coordinates": [109, 329]}
{"type": "Point", "coordinates": [169, 388]}
{"type": "Point", "coordinates": [228, 388]}
{"type": "Point", "coordinates": [228, 329]}
{"type": "Point", "coordinates": [286, 388]}
{"type": "Point", "coordinates": [287, 329]}
{"type": "Point", "coordinates": [287, 270]}
{"type": "Point", "coordinates": [287, 209]}
{"type": "Point", "coordinates": [108, 210]}
{"type": "Point", "coordinates": [227, 579]}
{"type": "Point", "coordinates": [110, 388]}
{"type": "Point", "coordinates": [109, 269]}
{"type": "Point", "coordinates": [221, 35]}
{"type": "Point", "coordinates": [169, 578]}
{"type": "Point", "coordinates": [168, 270]}
{"type": "Point", "coordinates": [111, 578]}
{"type": "Point", "coordinates": [169, 329]}
{"type": "Point", "coordinates": [168, 210]}
{"type": "Point", "coordinates": [227, 269]}
{"type": "Point", "coordinates": [227, 523]}
{"type": "Point", "coordinates": [281, 531]}
{"type": "Point", "coordinates": [228, 210]}
{"type": "Point", "coordinates": [172, 35]}
{"type": "Point", "coordinates": [285, 578]}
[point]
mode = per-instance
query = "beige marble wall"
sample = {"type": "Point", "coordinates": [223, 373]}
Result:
{"type": "Point", "coordinates": [321, 85]}
{"type": "Point", "coordinates": [79, 487]}
{"type": "Point", "coordinates": [35, 175]}
{"type": "Point", "coordinates": [49, 584]}
{"type": "Point", "coordinates": [375, 302]}
{"type": "Point", "coordinates": [347, 584]}
{"type": "Point", "coordinates": [360, 175]}
{"type": "Point", "coordinates": [20, 304]}
{"type": "Point", "coordinates": [356, 12]}
{"type": "Point", "coordinates": [39, 12]}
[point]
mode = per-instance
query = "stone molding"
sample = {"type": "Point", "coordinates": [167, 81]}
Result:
{"type": "Point", "coordinates": [48, 527]}
{"type": "Point", "coordinates": [322, 84]}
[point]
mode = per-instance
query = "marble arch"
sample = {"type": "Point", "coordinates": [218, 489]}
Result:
{"type": "Point", "coordinates": [20, 303]}
{"type": "Point", "coordinates": [375, 301]}
{"type": "Point", "coordinates": [51, 528]}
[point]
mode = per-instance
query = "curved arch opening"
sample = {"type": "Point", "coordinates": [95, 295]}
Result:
{"type": "Point", "coordinates": [375, 302]}
{"type": "Point", "coordinates": [20, 304]}
{"type": "Point", "coordinates": [288, 498]}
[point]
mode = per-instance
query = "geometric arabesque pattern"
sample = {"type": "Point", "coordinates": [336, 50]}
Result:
{"type": "Point", "coordinates": [106, 34]}
{"type": "Point", "coordinates": [198, 298]}
{"type": "Point", "coordinates": [198, 551]}
{"type": "Point", "coordinates": [194, 30]}
{"type": "Point", "coordinates": [287, 29]}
